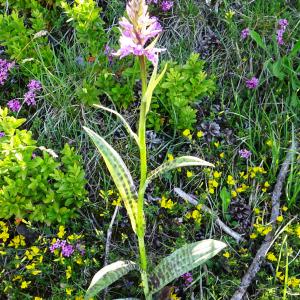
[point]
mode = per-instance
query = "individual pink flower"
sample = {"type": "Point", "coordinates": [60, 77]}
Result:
{"type": "Point", "coordinates": [29, 98]}
{"type": "Point", "coordinates": [137, 31]}
{"type": "Point", "coordinates": [14, 105]}
{"type": "Point", "coordinates": [283, 23]}
{"type": "Point", "coordinates": [252, 83]}
{"type": "Point", "coordinates": [166, 5]}
{"type": "Point", "coordinates": [34, 85]}
{"type": "Point", "coordinates": [2, 134]}
{"type": "Point", "coordinates": [245, 33]}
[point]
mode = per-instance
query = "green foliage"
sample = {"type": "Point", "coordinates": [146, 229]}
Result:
{"type": "Point", "coordinates": [88, 94]}
{"type": "Point", "coordinates": [182, 87]}
{"type": "Point", "coordinates": [25, 39]}
{"type": "Point", "coordinates": [38, 187]}
{"type": "Point", "coordinates": [85, 16]}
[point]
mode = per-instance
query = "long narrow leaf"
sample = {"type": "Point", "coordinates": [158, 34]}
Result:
{"type": "Point", "coordinates": [126, 125]}
{"type": "Point", "coordinates": [119, 173]}
{"type": "Point", "coordinates": [108, 275]}
{"type": "Point", "coordinates": [183, 260]}
{"type": "Point", "coordinates": [178, 162]}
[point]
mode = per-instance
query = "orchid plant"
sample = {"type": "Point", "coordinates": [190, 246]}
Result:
{"type": "Point", "coordinates": [139, 35]}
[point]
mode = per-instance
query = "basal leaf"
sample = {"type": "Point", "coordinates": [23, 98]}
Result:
{"type": "Point", "coordinates": [108, 275]}
{"type": "Point", "coordinates": [295, 49]}
{"type": "Point", "coordinates": [119, 173]}
{"type": "Point", "coordinates": [126, 125]}
{"type": "Point", "coordinates": [183, 161]}
{"type": "Point", "coordinates": [183, 260]}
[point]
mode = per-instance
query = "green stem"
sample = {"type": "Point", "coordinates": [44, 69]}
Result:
{"type": "Point", "coordinates": [143, 176]}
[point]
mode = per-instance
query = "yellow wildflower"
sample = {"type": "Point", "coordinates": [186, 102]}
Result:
{"type": "Point", "coordinates": [269, 143]}
{"type": "Point", "coordinates": [17, 241]}
{"type": "Point", "coordinates": [230, 180]}
{"type": "Point", "coordinates": [211, 190]}
{"type": "Point", "coordinates": [196, 216]}
{"type": "Point", "coordinates": [69, 291]}
{"type": "Point", "coordinates": [25, 284]}
{"type": "Point", "coordinates": [256, 210]}
{"type": "Point", "coordinates": [271, 256]}
{"type": "Point", "coordinates": [61, 232]}
{"type": "Point", "coordinates": [293, 282]}
{"type": "Point", "coordinates": [253, 236]}
{"type": "Point", "coordinates": [4, 236]}
{"type": "Point", "coordinates": [170, 157]}
{"type": "Point", "coordinates": [229, 15]}
{"type": "Point", "coordinates": [117, 202]}
{"type": "Point", "coordinates": [267, 230]}
{"type": "Point", "coordinates": [279, 219]}
{"type": "Point", "coordinates": [226, 254]}
{"type": "Point", "coordinates": [38, 298]}
{"type": "Point", "coordinates": [217, 144]}
{"type": "Point", "coordinates": [189, 174]}
{"type": "Point", "coordinates": [200, 134]}
{"type": "Point", "coordinates": [31, 266]}
{"type": "Point", "coordinates": [187, 133]}
{"type": "Point", "coordinates": [280, 276]}
{"type": "Point", "coordinates": [297, 231]}
{"type": "Point", "coordinates": [174, 297]}
{"type": "Point", "coordinates": [68, 272]}
{"type": "Point", "coordinates": [284, 208]}
{"type": "Point", "coordinates": [222, 155]}
{"type": "Point", "coordinates": [233, 194]}
{"type": "Point", "coordinates": [36, 272]}
{"type": "Point", "coordinates": [168, 204]}
{"type": "Point", "coordinates": [217, 174]}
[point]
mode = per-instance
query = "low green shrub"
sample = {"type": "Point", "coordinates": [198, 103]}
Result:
{"type": "Point", "coordinates": [35, 183]}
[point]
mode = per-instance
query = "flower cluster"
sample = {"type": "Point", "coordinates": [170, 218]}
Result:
{"type": "Point", "coordinates": [245, 33]}
{"type": "Point", "coordinates": [137, 32]}
{"type": "Point", "coordinates": [14, 105]}
{"type": "Point", "coordinates": [66, 248]}
{"type": "Point", "coordinates": [34, 86]}
{"type": "Point", "coordinates": [164, 5]}
{"type": "Point", "coordinates": [252, 83]}
{"type": "Point", "coordinates": [5, 66]}
{"type": "Point", "coordinates": [244, 153]}
{"type": "Point", "coordinates": [188, 278]}
{"type": "Point", "coordinates": [282, 24]}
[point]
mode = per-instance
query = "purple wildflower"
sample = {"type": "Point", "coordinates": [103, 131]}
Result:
{"type": "Point", "coordinates": [245, 33]}
{"type": "Point", "coordinates": [80, 248]}
{"type": "Point", "coordinates": [67, 250]}
{"type": "Point", "coordinates": [55, 246]}
{"type": "Point", "coordinates": [108, 53]}
{"type": "Point", "coordinates": [5, 66]}
{"type": "Point", "coordinates": [244, 153]}
{"type": "Point", "coordinates": [137, 32]}
{"type": "Point", "coordinates": [166, 5]}
{"type": "Point", "coordinates": [29, 98]}
{"type": "Point", "coordinates": [34, 85]}
{"type": "Point", "coordinates": [252, 83]}
{"type": "Point", "coordinates": [14, 105]}
{"type": "Point", "coordinates": [283, 23]}
{"type": "Point", "coordinates": [2, 134]}
{"type": "Point", "coordinates": [188, 278]}
{"type": "Point", "coordinates": [152, 1]}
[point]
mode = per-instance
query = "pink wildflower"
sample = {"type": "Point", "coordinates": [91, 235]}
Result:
{"type": "Point", "coordinates": [252, 83]}
{"type": "Point", "coordinates": [29, 98]}
{"type": "Point", "coordinates": [5, 66]}
{"type": "Point", "coordinates": [34, 85]}
{"type": "Point", "coordinates": [283, 23]}
{"type": "Point", "coordinates": [137, 32]}
{"type": "Point", "coordinates": [14, 105]}
{"type": "Point", "coordinates": [245, 33]}
{"type": "Point", "coordinates": [2, 134]}
{"type": "Point", "coordinates": [244, 153]}
{"type": "Point", "coordinates": [166, 5]}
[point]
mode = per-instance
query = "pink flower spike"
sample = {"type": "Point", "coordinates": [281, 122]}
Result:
{"type": "Point", "coordinates": [245, 33]}
{"type": "Point", "coordinates": [14, 105]}
{"type": "Point", "coordinates": [137, 31]}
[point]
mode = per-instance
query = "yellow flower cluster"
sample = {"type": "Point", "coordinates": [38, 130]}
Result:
{"type": "Point", "coordinates": [292, 281]}
{"type": "Point", "coordinates": [213, 183]}
{"type": "Point", "coordinates": [166, 203]}
{"type": "Point", "coordinates": [4, 235]}
{"type": "Point", "coordinates": [187, 133]}
{"type": "Point", "coordinates": [17, 241]}
{"type": "Point", "coordinates": [195, 214]}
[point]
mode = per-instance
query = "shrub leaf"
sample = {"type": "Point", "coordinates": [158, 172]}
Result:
{"type": "Point", "coordinates": [119, 173]}
{"type": "Point", "coordinates": [108, 275]}
{"type": "Point", "coordinates": [183, 260]}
